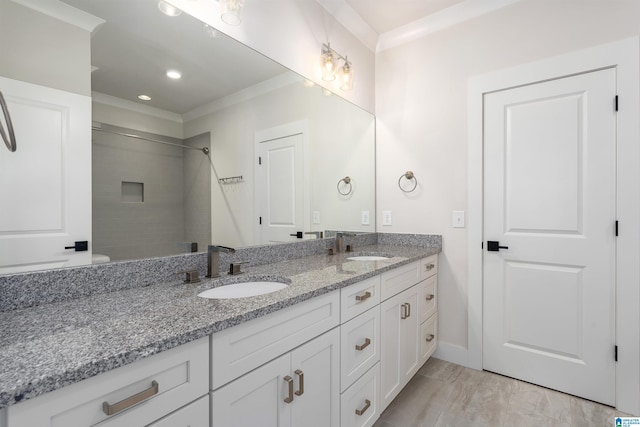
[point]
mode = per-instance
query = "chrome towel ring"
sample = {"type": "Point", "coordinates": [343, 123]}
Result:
{"type": "Point", "coordinates": [409, 176]}
{"type": "Point", "coordinates": [347, 182]}
{"type": "Point", "coordinates": [8, 136]}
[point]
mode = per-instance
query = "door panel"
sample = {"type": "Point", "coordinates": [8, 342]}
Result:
{"type": "Point", "coordinates": [49, 172]}
{"type": "Point", "coordinates": [549, 196]}
{"type": "Point", "coordinates": [280, 183]}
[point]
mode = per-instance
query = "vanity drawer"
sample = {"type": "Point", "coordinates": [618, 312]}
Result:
{"type": "Point", "coordinates": [428, 297]}
{"type": "Point", "coordinates": [360, 404]}
{"type": "Point", "coordinates": [428, 266]}
{"type": "Point", "coordinates": [397, 280]}
{"type": "Point", "coordinates": [428, 338]}
{"type": "Point", "coordinates": [180, 375]}
{"type": "Point", "coordinates": [237, 350]}
{"type": "Point", "coordinates": [359, 297]}
{"type": "Point", "coordinates": [195, 414]}
{"type": "Point", "coordinates": [359, 346]}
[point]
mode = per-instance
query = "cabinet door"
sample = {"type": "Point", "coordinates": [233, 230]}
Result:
{"type": "Point", "coordinates": [256, 399]}
{"type": "Point", "coordinates": [399, 343]}
{"type": "Point", "coordinates": [315, 368]}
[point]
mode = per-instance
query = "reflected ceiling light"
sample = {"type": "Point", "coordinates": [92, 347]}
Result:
{"type": "Point", "coordinates": [168, 9]}
{"type": "Point", "coordinates": [230, 11]}
{"type": "Point", "coordinates": [308, 83]}
{"type": "Point", "coordinates": [173, 74]}
{"type": "Point", "coordinates": [144, 97]}
{"type": "Point", "coordinates": [329, 63]}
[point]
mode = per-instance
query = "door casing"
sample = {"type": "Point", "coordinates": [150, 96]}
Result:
{"type": "Point", "coordinates": [624, 56]}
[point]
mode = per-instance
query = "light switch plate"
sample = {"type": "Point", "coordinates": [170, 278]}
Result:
{"type": "Point", "coordinates": [365, 217]}
{"type": "Point", "coordinates": [458, 219]}
{"type": "Point", "coordinates": [316, 217]}
{"type": "Point", "coordinates": [386, 218]}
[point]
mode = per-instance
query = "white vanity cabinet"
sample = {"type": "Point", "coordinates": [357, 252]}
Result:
{"type": "Point", "coordinates": [282, 369]}
{"type": "Point", "coordinates": [408, 315]}
{"type": "Point", "coordinates": [299, 388]}
{"type": "Point", "coordinates": [137, 394]}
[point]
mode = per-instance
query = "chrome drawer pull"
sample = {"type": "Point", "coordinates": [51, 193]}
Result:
{"type": "Point", "coordinates": [300, 375]}
{"type": "Point", "coordinates": [430, 337]}
{"type": "Point", "coordinates": [289, 381]}
{"type": "Point", "coordinates": [430, 297]}
{"type": "Point", "coordinates": [364, 297]}
{"type": "Point", "coordinates": [429, 267]}
{"type": "Point", "coordinates": [131, 400]}
{"type": "Point", "coordinates": [408, 310]}
{"type": "Point", "coordinates": [367, 341]}
{"type": "Point", "coordinates": [367, 403]}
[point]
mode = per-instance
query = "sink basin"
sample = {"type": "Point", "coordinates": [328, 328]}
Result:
{"type": "Point", "coordinates": [368, 258]}
{"type": "Point", "coordinates": [243, 290]}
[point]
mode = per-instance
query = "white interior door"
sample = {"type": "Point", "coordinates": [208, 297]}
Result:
{"type": "Point", "coordinates": [549, 196]}
{"type": "Point", "coordinates": [46, 184]}
{"type": "Point", "coordinates": [280, 188]}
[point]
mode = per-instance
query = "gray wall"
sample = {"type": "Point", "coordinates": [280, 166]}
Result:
{"type": "Point", "coordinates": [42, 50]}
{"type": "Point", "coordinates": [129, 230]}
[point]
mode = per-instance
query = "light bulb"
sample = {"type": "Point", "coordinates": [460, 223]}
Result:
{"type": "Point", "coordinates": [231, 11]}
{"type": "Point", "coordinates": [328, 65]}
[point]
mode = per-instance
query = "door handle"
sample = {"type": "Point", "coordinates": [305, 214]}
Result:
{"type": "Point", "coordinates": [297, 234]}
{"type": "Point", "coordinates": [289, 381]}
{"type": "Point", "coordinates": [404, 314]}
{"type": "Point", "coordinates": [367, 404]}
{"type": "Point", "coordinates": [79, 246]}
{"type": "Point", "coordinates": [366, 343]}
{"type": "Point", "coordinates": [8, 136]}
{"type": "Point", "coordinates": [493, 246]}
{"type": "Point", "coordinates": [300, 375]}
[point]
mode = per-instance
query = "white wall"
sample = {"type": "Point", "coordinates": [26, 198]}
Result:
{"type": "Point", "coordinates": [421, 111]}
{"type": "Point", "coordinates": [291, 32]}
{"type": "Point", "coordinates": [42, 50]}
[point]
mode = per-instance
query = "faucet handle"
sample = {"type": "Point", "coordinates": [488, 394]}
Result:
{"type": "Point", "coordinates": [191, 276]}
{"type": "Point", "coordinates": [234, 267]}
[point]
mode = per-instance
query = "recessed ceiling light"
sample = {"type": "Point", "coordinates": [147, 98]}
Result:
{"type": "Point", "coordinates": [173, 74]}
{"type": "Point", "coordinates": [144, 97]}
{"type": "Point", "coordinates": [168, 9]}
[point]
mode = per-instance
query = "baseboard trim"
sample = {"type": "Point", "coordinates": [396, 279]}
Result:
{"type": "Point", "coordinates": [452, 353]}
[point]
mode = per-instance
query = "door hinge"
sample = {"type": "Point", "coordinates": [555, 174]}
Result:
{"type": "Point", "coordinates": [616, 228]}
{"type": "Point", "coordinates": [259, 160]}
{"type": "Point", "coordinates": [260, 220]}
{"type": "Point", "coordinates": [616, 102]}
{"type": "Point", "coordinates": [615, 353]}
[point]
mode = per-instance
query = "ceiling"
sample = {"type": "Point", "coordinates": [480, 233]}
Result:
{"type": "Point", "coordinates": [137, 44]}
{"type": "Point", "coordinates": [386, 15]}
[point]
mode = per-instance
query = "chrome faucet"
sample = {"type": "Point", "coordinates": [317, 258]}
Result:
{"type": "Point", "coordinates": [213, 259]}
{"type": "Point", "coordinates": [340, 240]}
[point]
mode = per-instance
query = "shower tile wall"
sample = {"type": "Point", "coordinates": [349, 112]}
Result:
{"type": "Point", "coordinates": [197, 193]}
{"type": "Point", "coordinates": [129, 230]}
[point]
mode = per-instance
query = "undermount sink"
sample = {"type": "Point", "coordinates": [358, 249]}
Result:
{"type": "Point", "coordinates": [242, 290]}
{"type": "Point", "coordinates": [368, 258]}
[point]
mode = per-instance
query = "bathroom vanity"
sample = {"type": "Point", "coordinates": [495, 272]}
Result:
{"type": "Point", "coordinates": [331, 349]}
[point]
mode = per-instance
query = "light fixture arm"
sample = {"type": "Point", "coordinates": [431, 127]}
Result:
{"type": "Point", "coordinates": [326, 47]}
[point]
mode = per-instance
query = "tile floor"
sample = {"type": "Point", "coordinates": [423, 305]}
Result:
{"type": "Point", "coordinates": [444, 394]}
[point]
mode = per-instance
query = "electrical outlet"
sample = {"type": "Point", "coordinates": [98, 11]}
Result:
{"type": "Point", "coordinates": [316, 217]}
{"type": "Point", "coordinates": [365, 217]}
{"type": "Point", "coordinates": [458, 219]}
{"type": "Point", "coordinates": [386, 218]}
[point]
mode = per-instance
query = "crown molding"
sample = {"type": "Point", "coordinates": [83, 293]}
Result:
{"type": "Point", "coordinates": [438, 21]}
{"type": "Point", "coordinates": [112, 101]}
{"type": "Point", "coordinates": [266, 86]}
{"type": "Point", "coordinates": [64, 12]}
{"type": "Point", "coordinates": [352, 21]}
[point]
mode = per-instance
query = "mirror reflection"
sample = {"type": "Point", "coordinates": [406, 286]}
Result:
{"type": "Point", "coordinates": [278, 147]}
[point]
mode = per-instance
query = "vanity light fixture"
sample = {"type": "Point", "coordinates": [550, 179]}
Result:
{"type": "Point", "coordinates": [173, 74]}
{"type": "Point", "coordinates": [144, 97]}
{"type": "Point", "coordinates": [329, 63]}
{"type": "Point", "coordinates": [168, 9]}
{"type": "Point", "coordinates": [230, 11]}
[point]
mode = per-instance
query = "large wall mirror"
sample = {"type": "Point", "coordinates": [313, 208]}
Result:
{"type": "Point", "coordinates": [284, 156]}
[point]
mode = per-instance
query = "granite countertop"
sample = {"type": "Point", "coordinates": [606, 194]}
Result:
{"type": "Point", "coordinates": [46, 347]}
